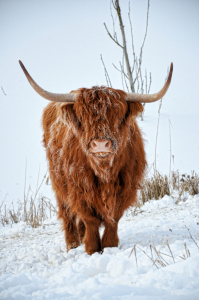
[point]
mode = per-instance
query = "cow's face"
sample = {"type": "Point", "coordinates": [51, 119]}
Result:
{"type": "Point", "coordinates": [101, 120]}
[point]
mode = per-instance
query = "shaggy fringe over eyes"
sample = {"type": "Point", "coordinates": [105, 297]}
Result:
{"type": "Point", "coordinates": [100, 103]}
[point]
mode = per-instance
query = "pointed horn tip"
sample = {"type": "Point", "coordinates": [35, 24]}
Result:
{"type": "Point", "coordinates": [23, 67]}
{"type": "Point", "coordinates": [170, 73]}
{"type": "Point", "coordinates": [171, 67]}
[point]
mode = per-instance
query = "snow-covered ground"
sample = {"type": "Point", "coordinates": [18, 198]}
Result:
{"type": "Point", "coordinates": [34, 263]}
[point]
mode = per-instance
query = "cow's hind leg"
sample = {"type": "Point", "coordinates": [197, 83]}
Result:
{"type": "Point", "coordinates": [69, 226]}
{"type": "Point", "coordinates": [110, 237]}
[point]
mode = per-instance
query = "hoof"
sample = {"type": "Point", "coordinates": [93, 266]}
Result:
{"type": "Point", "coordinates": [72, 246]}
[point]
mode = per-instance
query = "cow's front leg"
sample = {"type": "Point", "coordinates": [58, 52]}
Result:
{"type": "Point", "coordinates": [110, 237]}
{"type": "Point", "coordinates": [69, 226]}
{"type": "Point", "coordinates": [92, 238]}
{"type": "Point", "coordinates": [81, 230]}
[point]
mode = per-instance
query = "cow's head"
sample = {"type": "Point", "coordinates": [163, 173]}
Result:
{"type": "Point", "coordinates": [100, 117]}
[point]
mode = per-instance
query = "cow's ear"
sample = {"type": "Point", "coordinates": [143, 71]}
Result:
{"type": "Point", "coordinates": [67, 113]}
{"type": "Point", "coordinates": [136, 108]}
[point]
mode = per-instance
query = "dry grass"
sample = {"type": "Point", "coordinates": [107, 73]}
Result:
{"type": "Point", "coordinates": [190, 183]}
{"type": "Point", "coordinates": [155, 187]}
{"type": "Point", "coordinates": [34, 209]}
{"type": "Point", "coordinates": [158, 257]}
{"type": "Point", "coordinates": [158, 185]}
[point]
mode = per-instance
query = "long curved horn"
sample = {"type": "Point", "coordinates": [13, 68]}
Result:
{"type": "Point", "coordinates": [47, 95]}
{"type": "Point", "coordinates": [144, 98]}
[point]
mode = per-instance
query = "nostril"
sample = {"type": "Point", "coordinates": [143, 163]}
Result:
{"type": "Point", "coordinates": [107, 144]}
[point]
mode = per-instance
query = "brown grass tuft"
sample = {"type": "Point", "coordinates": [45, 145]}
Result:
{"type": "Point", "coordinates": [159, 185]}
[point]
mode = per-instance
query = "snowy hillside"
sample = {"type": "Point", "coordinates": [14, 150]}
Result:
{"type": "Point", "coordinates": [34, 263]}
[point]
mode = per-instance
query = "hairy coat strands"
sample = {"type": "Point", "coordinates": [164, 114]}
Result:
{"type": "Point", "coordinates": [94, 188]}
{"type": "Point", "coordinates": [96, 158]}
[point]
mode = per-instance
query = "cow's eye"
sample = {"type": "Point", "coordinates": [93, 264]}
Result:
{"type": "Point", "coordinates": [78, 122]}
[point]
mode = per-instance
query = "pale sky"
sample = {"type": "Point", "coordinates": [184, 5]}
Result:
{"type": "Point", "coordinates": [60, 43]}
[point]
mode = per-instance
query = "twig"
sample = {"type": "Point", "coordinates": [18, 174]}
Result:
{"type": "Point", "coordinates": [3, 90]}
{"type": "Point", "coordinates": [159, 256]}
{"type": "Point", "coordinates": [117, 7]}
{"type": "Point", "coordinates": [148, 256]}
{"type": "Point", "coordinates": [192, 237]}
{"type": "Point", "coordinates": [121, 71]}
{"type": "Point", "coordinates": [114, 32]}
{"type": "Point", "coordinates": [147, 22]}
{"type": "Point", "coordinates": [111, 36]}
{"type": "Point", "coordinates": [134, 250]}
{"type": "Point", "coordinates": [186, 250]}
{"type": "Point", "coordinates": [108, 81]}
{"type": "Point", "coordinates": [122, 68]}
{"type": "Point", "coordinates": [156, 140]}
{"type": "Point", "coordinates": [170, 251]}
{"type": "Point", "coordinates": [149, 84]}
{"type": "Point", "coordinates": [132, 38]}
{"type": "Point", "coordinates": [25, 213]}
{"type": "Point", "coordinates": [170, 149]}
{"type": "Point", "coordinates": [39, 186]}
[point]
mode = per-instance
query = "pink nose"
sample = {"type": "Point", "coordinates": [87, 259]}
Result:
{"type": "Point", "coordinates": [100, 146]}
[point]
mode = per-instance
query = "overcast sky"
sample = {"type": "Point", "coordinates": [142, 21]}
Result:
{"type": "Point", "coordinates": [60, 43]}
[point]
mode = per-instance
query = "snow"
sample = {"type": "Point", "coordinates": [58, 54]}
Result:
{"type": "Point", "coordinates": [34, 263]}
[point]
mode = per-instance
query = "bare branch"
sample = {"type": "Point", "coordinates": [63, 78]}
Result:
{"type": "Point", "coordinates": [3, 90]}
{"type": "Point", "coordinates": [122, 75]}
{"type": "Point", "coordinates": [132, 36]}
{"type": "Point", "coordinates": [108, 81]}
{"type": "Point", "coordinates": [114, 32]}
{"type": "Point", "coordinates": [113, 4]}
{"type": "Point", "coordinates": [122, 68]}
{"type": "Point", "coordinates": [121, 71]}
{"type": "Point", "coordinates": [111, 36]}
{"type": "Point", "coordinates": [131, 74]}
{"type": "Point", "coordinates": [149, 84]}
{"type": "Point", "coordinates": [147, 23]}
{"type": "Point", "coordinates": [146, 80]}
{"type": "Point", "coordinates": [117, 7]}
{"type": "Point", "coordinates": [116, 68]}
{"type": "Point", "coordinates": [122, 81]}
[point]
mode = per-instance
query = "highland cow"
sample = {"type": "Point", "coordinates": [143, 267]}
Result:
{"type": "Point", "coordinates": [96, 159]}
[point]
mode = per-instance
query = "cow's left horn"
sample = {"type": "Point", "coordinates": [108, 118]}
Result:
{"type": "Point", "coordinates": [148, 98]}
{"type": "Point", "coordinates": [47, 95]}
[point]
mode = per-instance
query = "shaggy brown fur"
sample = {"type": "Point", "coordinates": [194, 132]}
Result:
{"type": "Point", "coordinates": [92, 189]}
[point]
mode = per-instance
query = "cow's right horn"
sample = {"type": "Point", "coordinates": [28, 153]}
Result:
{"type": "Point", "coordinates": [47, 95]}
